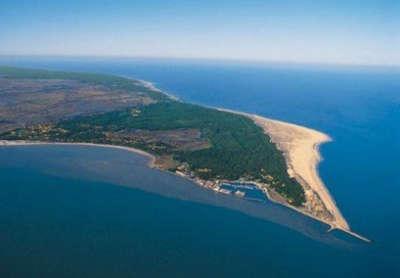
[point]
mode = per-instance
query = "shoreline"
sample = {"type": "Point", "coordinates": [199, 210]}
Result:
{"type": "Point", "coordinates": [9, 143]}
{"type": "Point", "coordinates": [152, 86]}
{"type": "Point", "coordinates": [308, 178]}
{"type": "Point", "coordinates": [151, 163]}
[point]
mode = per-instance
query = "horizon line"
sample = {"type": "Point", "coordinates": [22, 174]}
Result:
{"type": "Point", "coordinates": [205, 59]}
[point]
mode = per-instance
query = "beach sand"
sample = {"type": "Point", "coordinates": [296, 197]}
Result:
{"type": "Point", "coordinates": [300, 146]}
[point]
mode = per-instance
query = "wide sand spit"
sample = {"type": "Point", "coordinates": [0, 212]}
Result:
{"type": "Point", "coordinates": [300, 147]}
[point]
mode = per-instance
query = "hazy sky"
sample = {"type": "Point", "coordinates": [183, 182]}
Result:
{"type": "Point", "coordinates": [358, 32]}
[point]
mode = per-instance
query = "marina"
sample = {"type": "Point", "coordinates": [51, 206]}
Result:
{"type": "Point", "coordinates": [248, 191]}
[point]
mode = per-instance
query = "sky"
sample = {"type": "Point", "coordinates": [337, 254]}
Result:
{"type": "Point", "coordinates": [300, 31]}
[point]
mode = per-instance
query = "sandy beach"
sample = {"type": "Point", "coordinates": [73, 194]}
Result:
{"type": "Point", "coordinates": [300, 146]}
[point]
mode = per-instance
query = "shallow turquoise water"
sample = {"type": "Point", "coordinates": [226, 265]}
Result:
{"type": "Point", "coordinates": [359, 108]}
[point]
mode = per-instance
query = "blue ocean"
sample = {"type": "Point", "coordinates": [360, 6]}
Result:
{"type": "Point", "coordinates": [68, 211]}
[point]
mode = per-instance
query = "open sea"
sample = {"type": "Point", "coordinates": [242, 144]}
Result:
{"type": "Point", "coordinates": [73, 211]}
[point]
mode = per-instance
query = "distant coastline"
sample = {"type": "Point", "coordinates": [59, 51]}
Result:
{"type": "Point", "coordinates": [152, 86]}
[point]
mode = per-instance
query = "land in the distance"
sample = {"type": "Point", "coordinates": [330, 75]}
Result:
{"type": "Point", "coordinates": [207, 145]}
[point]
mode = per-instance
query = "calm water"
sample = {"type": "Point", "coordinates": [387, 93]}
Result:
{"type": "Point", "coordinates": [64, 214]}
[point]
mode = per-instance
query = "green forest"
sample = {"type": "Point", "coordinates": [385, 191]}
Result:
{"type": "Point", "coordinates": [238, 148]}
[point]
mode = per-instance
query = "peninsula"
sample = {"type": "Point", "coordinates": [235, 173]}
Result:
{"type": "Point", "coordinates": [209, 146]}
